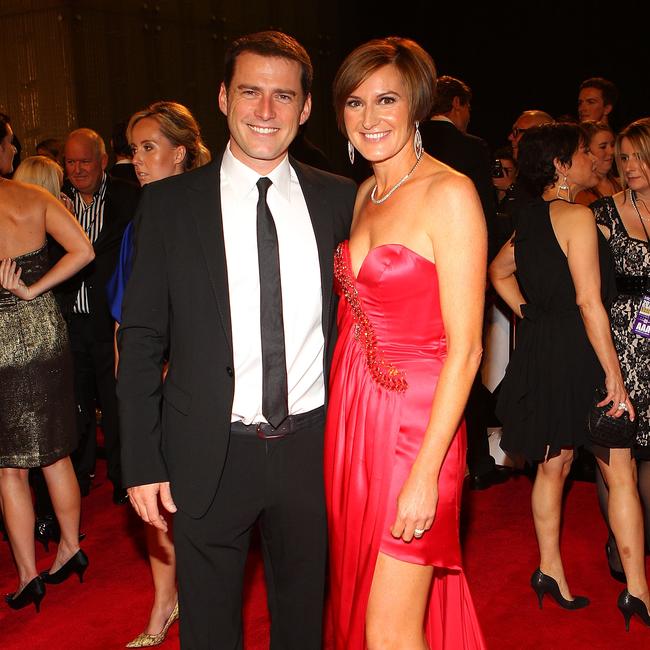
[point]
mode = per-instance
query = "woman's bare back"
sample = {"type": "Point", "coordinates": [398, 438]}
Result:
{"type": "Point", "coordinates": [23, 209]}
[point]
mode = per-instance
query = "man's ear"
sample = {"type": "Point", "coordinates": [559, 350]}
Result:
{"type": "Point", "coordinates": [456, 103]}
{"type": "Point", "coordinates": [306, 110]}
{"type": "Point", "coordinates": [223, 99]}
{"type": "Point", "coordinates": [607, 109]}
{"type": "Point", "coordinates": [104, 161]}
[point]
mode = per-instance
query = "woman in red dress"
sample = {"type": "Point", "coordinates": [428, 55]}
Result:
{"type": "Point", "coordinates": [411, 281]}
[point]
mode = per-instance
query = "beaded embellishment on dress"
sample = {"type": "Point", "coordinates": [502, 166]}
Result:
{"type": "Point", "coordinates": [383, 373]}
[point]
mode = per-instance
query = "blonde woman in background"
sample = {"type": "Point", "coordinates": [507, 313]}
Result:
{"type": "Point", "coordinates": [36, 387]}
{"type": "Point", "coordinates": [166, 141]}
{"type": "Point", "coordinates": [601, 145]}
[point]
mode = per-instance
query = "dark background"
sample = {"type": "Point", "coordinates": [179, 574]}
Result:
{"type": "Point", "coordinates": [69, 63]}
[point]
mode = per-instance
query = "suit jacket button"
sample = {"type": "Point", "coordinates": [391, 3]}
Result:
{"type": "Point", "coordinates": [230, 371]}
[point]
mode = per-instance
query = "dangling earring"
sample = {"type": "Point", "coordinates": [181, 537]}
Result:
{"type": "Point", "coordinates": [351, 152]}
{"type": "Point", "coordinates": [563, 187]}
{"type": "Point", "coordinates": [417, 141]}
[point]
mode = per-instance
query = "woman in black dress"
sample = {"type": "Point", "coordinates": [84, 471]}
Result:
{"type": "Point", "coordinates": [564, 351]}
{"type": "Point", "coordinates": [37, 426]}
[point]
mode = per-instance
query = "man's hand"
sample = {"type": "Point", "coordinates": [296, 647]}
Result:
{"type": "Point", "coordinates": [144, 499]}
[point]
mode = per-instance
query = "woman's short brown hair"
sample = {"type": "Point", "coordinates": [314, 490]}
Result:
{"type": "Point", "coordinates": [415, 66]}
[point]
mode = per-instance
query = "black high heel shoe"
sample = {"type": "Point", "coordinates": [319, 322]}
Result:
{"type": "Point", "coordinates": [543, 584]}
{"type": "Point", "coordinates": [32, 592]}
{"type": "Point", "coordinates": [617, 575]}
{"type": "Point", "coordinates": [78, 564]}
{"type": "Point", "coordinates": [630, 605]}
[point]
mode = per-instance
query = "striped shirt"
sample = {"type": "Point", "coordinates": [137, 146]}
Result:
{"type": "Point", "coordinates": [91, 218]}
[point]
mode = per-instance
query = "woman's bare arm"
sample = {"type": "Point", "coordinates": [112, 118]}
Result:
{"type": "Point", "coordinates": [502, 275]}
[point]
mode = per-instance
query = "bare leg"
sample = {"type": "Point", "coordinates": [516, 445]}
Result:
{"type": "Point", "coordinates": [626, 519]}
{"type": "Point", "coordinates": [546, 502]}
{"type": "Point", "coordinates": [18, 513]}
{"type": "Point", "coordinates": [603, 501]}
{"type": "Point", "coordinates": [643, 469]}
{"type": "Point", "coordinates": [66, 500]}
{"type": "Point", "coordinates": [397, 604]}
{"type": "Point", "coordinates": [163, 570]}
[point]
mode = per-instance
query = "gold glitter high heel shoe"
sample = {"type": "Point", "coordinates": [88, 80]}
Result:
{"type": "Point", "coordinates": [145, 640]}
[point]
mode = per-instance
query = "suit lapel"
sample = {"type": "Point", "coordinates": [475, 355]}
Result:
{"type": "Point", "coordinates": [322, 225]}
{"type": "Point", "coordinates": [205, 202]}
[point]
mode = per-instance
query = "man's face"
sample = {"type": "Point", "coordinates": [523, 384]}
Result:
{"type": "Point", "coordinates": [502, 183]}
{"type": "Point", "coordinates": [523, 123]}
{"type": "Point", "coordinates": [591, 105]}
{"type": "Point", "coordinates": [464, 115]}
{"type": "Point", "coordinates": [264, 106]}
{"type": "Point", "coordinates": [83, 165]}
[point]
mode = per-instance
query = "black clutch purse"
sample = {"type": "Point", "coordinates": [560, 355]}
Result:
{"type": "Point", "coordinates": [607, 431]}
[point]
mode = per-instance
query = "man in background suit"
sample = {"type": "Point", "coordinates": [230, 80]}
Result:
{"type": "Point", "coordinates": [123, 167]}
{"type": "Point", "coordinates": [232, 282]}
{"type": "Point", "coordinates": [445, 137]}
{"type": "Point", "coordinates": [103, 205]}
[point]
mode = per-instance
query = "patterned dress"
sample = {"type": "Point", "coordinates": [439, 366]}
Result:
{"type": "Point", "coordinates": [631, 257]}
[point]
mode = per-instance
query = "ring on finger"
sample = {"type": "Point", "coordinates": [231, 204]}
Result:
{"type": "Point", "coordinates": [622, 406]}
{"type": "Point", "coordinates": [418, 532]}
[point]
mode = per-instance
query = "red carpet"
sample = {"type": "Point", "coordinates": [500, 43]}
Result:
{"type": "Point", "coordinates": [112, 605]}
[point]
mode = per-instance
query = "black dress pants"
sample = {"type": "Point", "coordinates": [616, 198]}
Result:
{"type": "Point", "coordinates": [477, 420]}
{"type": "Point", "coordinates": [94, 382]}
{"type": "Point", "coordinates": [276, 485]}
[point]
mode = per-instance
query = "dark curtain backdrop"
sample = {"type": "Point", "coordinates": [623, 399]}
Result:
{"type": "Point", "coordinates": [68, 63]}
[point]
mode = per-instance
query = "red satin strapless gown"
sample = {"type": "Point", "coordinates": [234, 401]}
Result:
{"type": "Point", "coordinates": [386, 364]}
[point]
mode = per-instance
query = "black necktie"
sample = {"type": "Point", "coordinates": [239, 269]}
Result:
{"type": "Point", "coordinates": [274, 365]}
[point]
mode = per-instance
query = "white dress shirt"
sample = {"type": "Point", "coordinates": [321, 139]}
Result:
{"type": "Point", "coordinates": [301, 287]}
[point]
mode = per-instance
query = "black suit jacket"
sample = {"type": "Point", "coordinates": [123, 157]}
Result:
{"type": "Point", "coordinates": [125, 171]}
{"type": "Point", "coordinates": [177, 305]}
{"type": "Point", "coordinates": [469, 155]}
{"type": "Point", "coordinates": [120, 205]}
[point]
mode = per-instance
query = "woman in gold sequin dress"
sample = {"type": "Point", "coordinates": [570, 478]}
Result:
{"type": "Point", "coordinates": [37, 426]}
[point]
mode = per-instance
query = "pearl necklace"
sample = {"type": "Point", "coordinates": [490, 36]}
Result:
{"type": "Point", "coordinates": [395, 187]}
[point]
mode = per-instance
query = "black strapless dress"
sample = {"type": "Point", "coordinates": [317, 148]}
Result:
{"type": "Point", "coordinates": [37, 422]}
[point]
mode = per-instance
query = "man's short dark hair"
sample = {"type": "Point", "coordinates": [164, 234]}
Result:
{"type": "Point", "coordinates": [448, 88]}
{"type": "Point", "coordinates": [606, 87]}
{"type": "Point", "coordinates": [271, 44]}
{"type": "Point", "coordinates": [119, 142]}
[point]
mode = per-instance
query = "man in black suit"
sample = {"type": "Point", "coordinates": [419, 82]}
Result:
{"type": "Point", "coordinates": [103, 205]}
{"type": "Point", "coordinates": [232, 283]}
{"type": "Point", "coordinates": [444, 137]}
{"type": "Point", "coordinates": [123, 167]}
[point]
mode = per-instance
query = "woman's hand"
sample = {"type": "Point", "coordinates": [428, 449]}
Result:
{"type": "Point", "coordinates": [416, 506]}
{"type": "Point", "coordinates": [10, 280]}
{"type": "Point", "coordinates": [617, 395]}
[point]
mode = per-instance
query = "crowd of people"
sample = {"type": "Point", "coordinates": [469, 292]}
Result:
{"type": "Point", "coordinates": [269, 346]}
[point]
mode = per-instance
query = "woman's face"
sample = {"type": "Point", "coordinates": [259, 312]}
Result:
{"type": "Point", "coordinates": [7, 152]}
{"type": "Point", "coordinates": [376, 115]}
{"type": "Point", "coordinates": [582, 173]}
{"type": "Point", "coordinates": [602, 148]}
{"type": "Point", "coordinates": [154, 156]}
{"type": "Point", "coordinates": [633, 167]}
